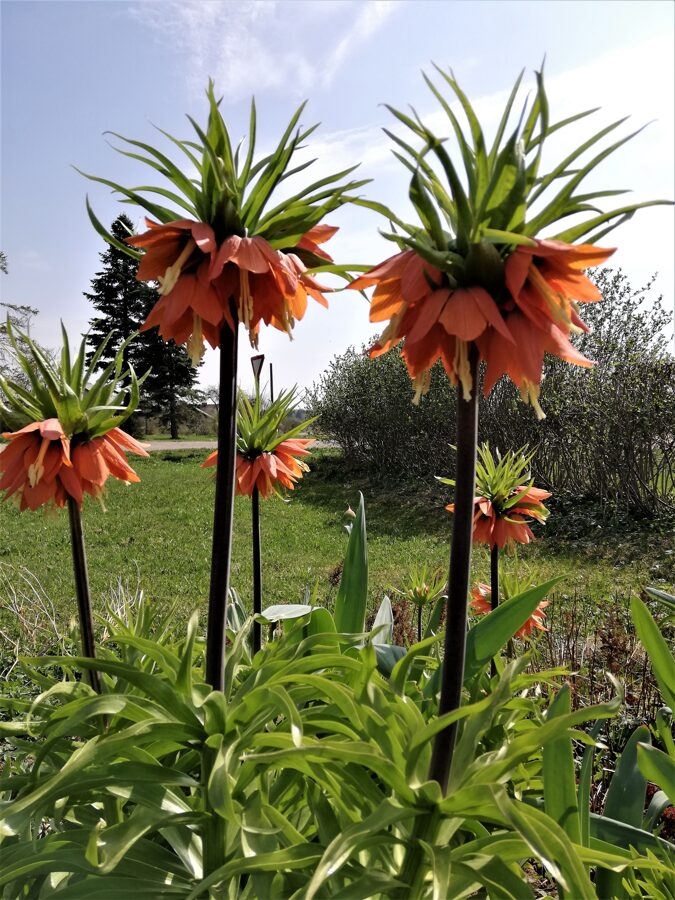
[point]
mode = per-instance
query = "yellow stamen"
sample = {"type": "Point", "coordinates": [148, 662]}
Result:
{"type": "Point", "coordinates": [463, 369]}
{"type": "Point", "coordinates": [36, 470]}
{"type": "Point", "coordinates": [168, 282]}
{"type": "Point", "coordinates": [421, 384]}
{"type": "Point", "coordinates": [195, 344]}
{"type": "Point", "coordinates": [555, 302]}
{"type": "Point", "coordinates": [245, 300]}
{"type": "Point", "coordinates": [529, 393]}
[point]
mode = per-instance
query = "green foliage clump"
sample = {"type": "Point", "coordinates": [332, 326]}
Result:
{"type": "Point", "coordinates": [365, 405]}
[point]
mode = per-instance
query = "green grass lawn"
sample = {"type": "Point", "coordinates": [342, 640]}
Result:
{"type": "Point", "coordinates": [156, 535]}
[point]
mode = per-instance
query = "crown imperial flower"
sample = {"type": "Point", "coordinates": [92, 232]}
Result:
{"type": "Point", "coordinates": [232, 260]}
{"type": "Point", "coordinates": [67, 440]}
{"type": "Point", "coordinates": [474, 279]}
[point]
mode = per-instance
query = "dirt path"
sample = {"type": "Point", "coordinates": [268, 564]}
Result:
{"type": "Point", "coordinates": [181, 445]}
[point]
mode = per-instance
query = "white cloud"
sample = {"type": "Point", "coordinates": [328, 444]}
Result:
{"type": "Point", "coordinates": [372, 15]}
{"type": "Point", "coordinates": [256, 45]}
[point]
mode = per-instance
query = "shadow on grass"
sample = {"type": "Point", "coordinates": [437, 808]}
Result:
{"type": "Point", "coordinates": [393, 506]}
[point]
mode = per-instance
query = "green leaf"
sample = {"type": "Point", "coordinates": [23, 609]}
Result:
{"type": "Point", "coordinates": [657, 766]}
{"type": "Point", "coordinates": [625, 802]}
{"type": "Point", "coordinates": [352, 595]}
{"type": "Point", "coordinates": [486, 638]}
{"type": "Point", "coordinates": [549, 843]}
{"type": "Point", "coordinates": [657, 649]}
{"type": "Point", "coordinates": [560, 796]}
{"type": "Point", "coordinates": [584, 792]}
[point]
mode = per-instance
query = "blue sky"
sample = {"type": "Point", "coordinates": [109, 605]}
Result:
{"type": "Point", "coordinates": [72, 70]}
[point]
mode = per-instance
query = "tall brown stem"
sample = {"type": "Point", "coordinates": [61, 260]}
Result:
{"type": "Point", "coordinates": [257, 568]}
{"type": "Point", "coordinates": [494, 591]}
{"type": "Point", "coordinates": [82, 590]}
{"type": "Point", "coordinates": [223, 509]}
{"type": "Point", "coordinates": [452, 675]}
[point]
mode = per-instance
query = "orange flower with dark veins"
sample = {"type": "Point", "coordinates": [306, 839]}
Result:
{"type": "Point", "coordinates": [40, 465]}
{"type": "Point", "coordinates": [481, 605]}
{"type": "Point", "coordinates": [435, 320]}
{"type": "Point", "coordinates": [269, 470]}
{"type": "Point", "coordinates": [545, 283]}
{"type": "Point", "coordinates": [32, 462]}
{"type": "Point", "coordinates": [191, 308]}
{"type": "Point", "coordinates": [269, 285]}
{"type": "Point", "coordinates": [498, 528]}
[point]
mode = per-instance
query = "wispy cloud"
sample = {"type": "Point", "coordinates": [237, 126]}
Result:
{"type": "Point", "coordinates": [257, 45]}
{"type": "Point", "coordinates": [371, 17]}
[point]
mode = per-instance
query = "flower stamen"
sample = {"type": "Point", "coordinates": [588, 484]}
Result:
{"type": "Point", "coordinates": [167, 282]}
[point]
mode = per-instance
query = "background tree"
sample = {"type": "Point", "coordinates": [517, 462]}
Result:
{"type": "Point", "coordinates": [124, 304]}
{"type": "Point", "coordinates": [365, 405]}
{"type": "Point", "coordinates": [19, 318]}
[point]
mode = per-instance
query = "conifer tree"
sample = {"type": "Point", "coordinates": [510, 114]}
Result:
{"type": "Point", "coordinates": [123, 304]}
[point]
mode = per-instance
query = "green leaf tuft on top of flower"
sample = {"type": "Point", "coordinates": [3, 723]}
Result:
{"type": "Point", "coordinates": [267, 457]}
{"type": "Point", "coordinates": [474, 273]}
{"type": "Point", "coordinates": [221, 239]}
{"type": "Point", "coordinates": [65, 417]}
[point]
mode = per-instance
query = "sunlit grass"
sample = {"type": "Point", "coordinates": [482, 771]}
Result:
{"type": "Point", "coordinates": [156, 535]}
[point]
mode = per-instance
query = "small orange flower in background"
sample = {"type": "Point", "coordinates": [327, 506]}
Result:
{"type": "Point", "coordinates": [504, 505]}
{"type": "Point", "coordinates": [481, 605]}
{"type": "Point", "coordinates": [267, 460]}
{"type": "Point", "coordinates": [77, 444]}
{"type": "Point", "coordinates": [497, 528]}
{"type": "Point", "coordinates": [269, 471]}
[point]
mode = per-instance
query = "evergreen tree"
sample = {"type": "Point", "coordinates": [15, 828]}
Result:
{"type": "Point", "coordinates": [170, 384]}
{"type": "Point", "coordinates": [123, 304]}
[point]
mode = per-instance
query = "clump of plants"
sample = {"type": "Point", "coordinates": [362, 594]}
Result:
{"type": "Point", "coordinates": [326, 761]}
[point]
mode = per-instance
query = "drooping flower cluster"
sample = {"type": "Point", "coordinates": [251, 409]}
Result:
{"type": "Point", "coordinates": [67, 441]}
{"type": "Point", "coordinates": [267, 460]}
{"type": "Point", "coordinates": [504, 505]}
{"type": "Point", "coordinates": [268, 471]}
{"type": "Point", "coordinates": [197, 278]}
{"type": "Point", "coordinates": [231, 260]}
{"type": "Point", "coordinates": [41, 465]}
{"type": "Point", "coordinates": [531, 314]}
{"type": "Point", "coordinates": [481, 605]}
{"type": "Point", "coordinates": [474, 281]}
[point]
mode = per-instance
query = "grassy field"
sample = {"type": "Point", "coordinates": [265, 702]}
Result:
{"type": "Point", "coordinates": [156, 536]}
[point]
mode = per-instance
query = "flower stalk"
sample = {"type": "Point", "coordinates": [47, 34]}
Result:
{"type": "Point", "coordinates": [82, 590]}
{"type": "Point", "coordinates": [452, 675]}
{"type": "Point", "coordinates": [494, 591]}
{"type": "Point", "coordinates": [223, 509]}
{"type": "Point", "coordinates": [257, 569]}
